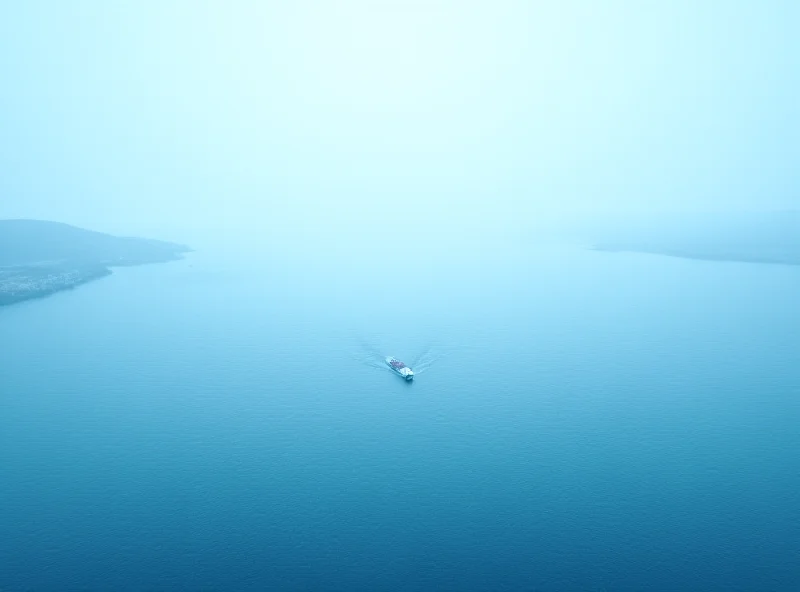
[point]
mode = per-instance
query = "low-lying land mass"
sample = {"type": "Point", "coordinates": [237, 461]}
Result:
{"type": "Point", "coordinates": [755, 238]}
{"type": "Point", "coordinates": [38, 258]}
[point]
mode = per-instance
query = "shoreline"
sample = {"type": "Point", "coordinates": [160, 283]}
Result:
{"type": "Point", "coordinates": [39, 258]}
{"type": "Point", "coordinates": [719, 258]}
{"type": "Point", "coordinates": [22, 283]}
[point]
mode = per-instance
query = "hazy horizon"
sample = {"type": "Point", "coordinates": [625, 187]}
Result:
{"type": "Point", "coordinates": [174, 119]}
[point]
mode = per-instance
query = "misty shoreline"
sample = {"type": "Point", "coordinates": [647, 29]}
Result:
{"type": "Point", "coordinates": [38, 258]}
{"type": "Point", "coordinates": [762, 238]}
{"type": "Point", "coordinates": [785, 259]}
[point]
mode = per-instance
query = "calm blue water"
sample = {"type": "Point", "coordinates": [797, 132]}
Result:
{"type": "Point", "coordinates": [584, 421]}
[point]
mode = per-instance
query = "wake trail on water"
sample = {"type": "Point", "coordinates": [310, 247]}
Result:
{"type": "Point", "coordinates": [430, 356]}
{"type": "Point", "coordinates": [370, 354]}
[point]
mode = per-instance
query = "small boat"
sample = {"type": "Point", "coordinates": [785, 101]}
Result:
{"type": "Point", "coordinates": [400, 368]}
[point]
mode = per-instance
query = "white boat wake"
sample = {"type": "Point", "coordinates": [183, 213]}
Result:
{"type": "Point", "coordinates": [369, 354]}
{"type": "Point", "coordinates": [423, 362]}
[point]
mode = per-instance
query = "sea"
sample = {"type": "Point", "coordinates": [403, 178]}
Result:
{"type": "Point", "coordinates": [579, 420]}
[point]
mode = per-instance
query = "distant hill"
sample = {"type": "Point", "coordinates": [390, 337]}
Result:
{"type": "Point", "coordinates": [23, 242]}
{"type": "Point", "coordinates": [38, 258]}
{"type": "Point", "coordinates": [772, 237]}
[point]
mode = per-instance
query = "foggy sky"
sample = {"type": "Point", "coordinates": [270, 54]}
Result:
{"type": "Point", "coordinates": [142, 117]}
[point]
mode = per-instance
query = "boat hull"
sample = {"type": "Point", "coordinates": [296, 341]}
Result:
{"type": "Point", "coordinates": [400, 369]}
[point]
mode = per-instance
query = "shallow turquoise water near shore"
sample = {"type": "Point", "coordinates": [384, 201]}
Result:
{"type": "Point", "coordinates": [584, 421]}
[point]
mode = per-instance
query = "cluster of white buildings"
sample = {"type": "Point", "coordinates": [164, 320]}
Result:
{"type": "Point", "coordinates": [16, 281]}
